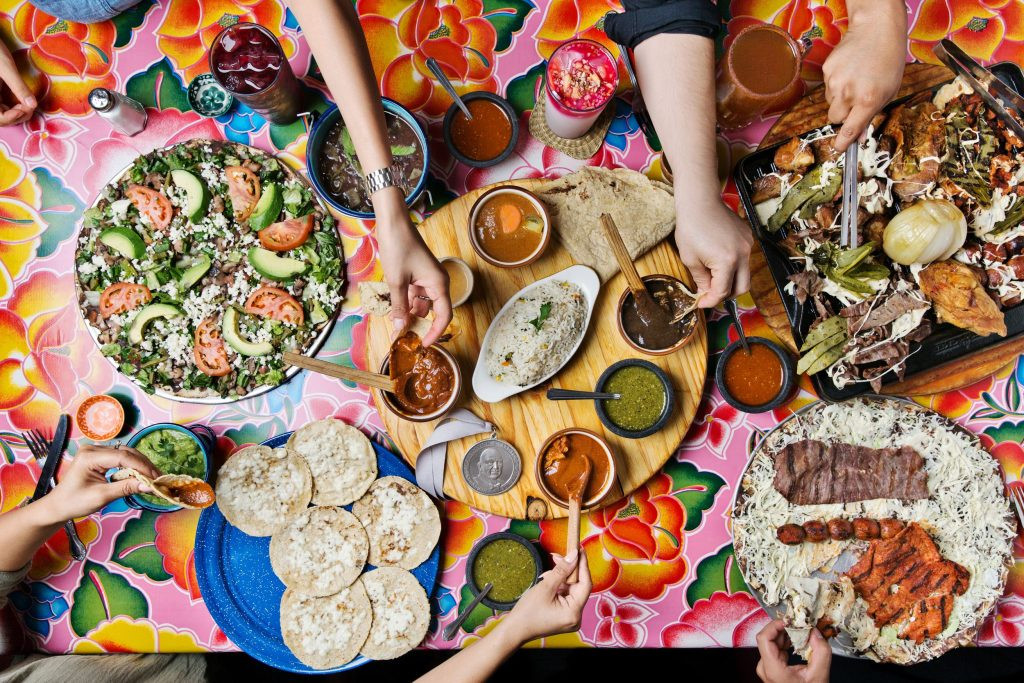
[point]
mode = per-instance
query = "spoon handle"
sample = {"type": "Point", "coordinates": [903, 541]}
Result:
{"type": "Point", "coordinates": [614, 237]}
{"type": "Point", "coordinates": [435, 68]}
{"type": "Point", "coordinates": [572, 536]}
{"type": "Point", "coordinates": [734, 315]}
{"type": "Point", "coordinates": [450, 629]}
{"type": "Point", "coordinates": [573, 395]}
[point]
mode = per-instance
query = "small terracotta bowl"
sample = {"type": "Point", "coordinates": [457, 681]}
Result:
{"type": "Point", "coordinates": [542, 210]}
{"type": "Point", "coordinates": [467, 272]}
{"type": "Point", "coordinates": [609, 481]}
{"type": "Point", "coordinates": [389, 402]}
{"type": "Point", "coordinates": [686, 339]}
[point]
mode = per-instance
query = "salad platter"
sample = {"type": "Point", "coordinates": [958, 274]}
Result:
{"type": "Point", "coordinates": [875, 357]}
{"type": "Point", "coordinates": [199, 264]}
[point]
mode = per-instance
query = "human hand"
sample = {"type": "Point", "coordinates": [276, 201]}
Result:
{"type": "Point", "coordinates": [772, 644]}
{"type": "Point", "coordinates": [865, 70]}
{"type": "Point", "coordinates": [714, 245]}
{"type": "Point", "coordinates": [83, 488]}
{"type": "Point", "coordinates": [552, 605]}
{"type": "Point", "coordinates": [26, 105]}
{"type": "Point", "coordinates": [415, 278]}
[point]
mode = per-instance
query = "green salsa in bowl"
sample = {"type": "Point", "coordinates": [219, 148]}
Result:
{"type": "Point", "coordinates": [646, 398]}
{"type": "Point", "coordinates": [173, 449]}
{"type": "Point", "coordinates": [508, 561]}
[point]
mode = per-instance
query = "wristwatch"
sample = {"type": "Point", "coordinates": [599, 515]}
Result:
{"type": "Point", "coordinates": [378, 180]}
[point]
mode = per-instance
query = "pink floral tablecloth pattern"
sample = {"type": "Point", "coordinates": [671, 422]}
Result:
{"type": "Point", "coordinates": [664, 573]}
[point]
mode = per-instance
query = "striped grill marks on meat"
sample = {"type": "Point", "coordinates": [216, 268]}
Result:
{"type": "Point", "coordinates": [812, 472]}
{"type": "Point", "coordinates": [905, 580]}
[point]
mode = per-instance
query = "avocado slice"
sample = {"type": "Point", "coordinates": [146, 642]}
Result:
{"type": "Point", "coordinates": [274, 267]}
{"type": "Point", "coordinates": [197, 197]}
{"type": "Point", "coordinates": [194, 272]}
{"type": "Point", "coordinates": [124, 241]}
{"type": "Point", "coordinates": [147, 315]}
{"type": "Point", "coordinates": [152, 281]}
{"type": "Point", "coordinates": [317, 315]}
{"type": "Point", "coordinates": [233, 337]}
{"type": "Point", "coordinates": [267, 208]}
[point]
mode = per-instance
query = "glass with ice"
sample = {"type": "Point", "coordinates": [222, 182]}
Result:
{"type": "Point", "coordinates": [247, 60]}
{"type": "Point", "coordinates": [580, 80]}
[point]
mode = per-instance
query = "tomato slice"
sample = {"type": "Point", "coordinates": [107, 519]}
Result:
{"type": "Point", "coordinates": [276, 304]}
{"type": "Point", "coordinates": [121, 297]}
{"type": "Point", "coordinates": [243, 190]}
{"type": "Point", "coordinates": [208, 351]}
{"type": "Point", "coordinates": [287, 234]}
{"type": "Point", "coordinates": [153, 206]}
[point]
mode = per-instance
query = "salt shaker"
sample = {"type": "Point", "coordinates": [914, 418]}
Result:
{"type": "Point", "coordinates": [123, 113]}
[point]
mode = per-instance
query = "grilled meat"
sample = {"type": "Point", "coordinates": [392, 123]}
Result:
{"type": "Point", "coordinates": [794, 155]}
{"type": "Point", "coordinates": [918, 141]}
{"type": "Point", "coordinates": [959, 298]}
{"type": "Point", "coordinates": [810, 472]}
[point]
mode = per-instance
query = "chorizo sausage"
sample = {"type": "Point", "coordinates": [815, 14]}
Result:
{"type": "Point", "coordinates": [840, 529]}
{"type": "Point", "coordinates": [890, 527]}
{"type": "Point", "coordinates": [865, 529]}
{"type": "Point", "coordinates": [791, 534]}
{"type": "Point", "coordinates": [816, 531]}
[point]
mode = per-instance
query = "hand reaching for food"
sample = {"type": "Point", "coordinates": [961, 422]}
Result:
{"type": "Point", "coordinates": [773, 646]}
{"type": "Point", "coordinates": [552, 605]}
{"type": "Point", "coordinates": [416, 280]}
{"type": "Point", "coordinates": [865, 70]}
{"type": "Point", "coordinates": [26, 105]}
{"type": "Point", "coordinates": [714, 244]}
{"type": "Point", "coordinates": [83, 488]}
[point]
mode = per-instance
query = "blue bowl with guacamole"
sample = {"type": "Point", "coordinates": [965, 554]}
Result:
{"type": "Point", "coordinates": [173, 449]}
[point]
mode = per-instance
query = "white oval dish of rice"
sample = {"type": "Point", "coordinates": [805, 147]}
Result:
{"type": "Point", "coordinates": [535, 333]}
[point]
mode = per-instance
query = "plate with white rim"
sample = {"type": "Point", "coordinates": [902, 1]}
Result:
{"type": "Point", "coordinates": [491, 390]}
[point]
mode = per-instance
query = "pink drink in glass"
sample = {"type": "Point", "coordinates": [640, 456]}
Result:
{"type": "Point", "coordinates": [247, 60]}
{"type": "Point", "coordinates": [580, 80]}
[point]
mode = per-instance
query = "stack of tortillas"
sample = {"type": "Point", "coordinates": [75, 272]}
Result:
{"type": "Point", "coordinates": [331, 611]}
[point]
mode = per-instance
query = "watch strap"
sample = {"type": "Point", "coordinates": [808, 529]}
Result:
{"type": "Point", "coordinates": [378, 180]}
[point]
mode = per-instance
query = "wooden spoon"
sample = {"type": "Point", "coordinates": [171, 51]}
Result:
{"type": "Point", "coordinates": [647, 309]}
{"type": "Point", "coordinates": [576, 489]}
{"type": "Point", "coordinates": [369, 379]}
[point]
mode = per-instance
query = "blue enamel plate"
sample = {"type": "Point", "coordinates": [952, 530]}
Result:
{"type": "Point", "coordinates": [244, 595]}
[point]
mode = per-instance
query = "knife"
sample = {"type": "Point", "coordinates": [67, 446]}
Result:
{"type": "Point", "coordinates": [993, 91]}
{"type": "Point", "coordinates": [52, 458]}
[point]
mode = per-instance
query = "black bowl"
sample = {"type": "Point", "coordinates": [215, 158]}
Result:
{"type": "Point", "coordinates": [788, 376]}
{"type": "Point", "coordinates": [471, 580]}
{"type": "Point", "coordinates": [666, 413]}
{"type": "Point", "coordinates": [505, 107]}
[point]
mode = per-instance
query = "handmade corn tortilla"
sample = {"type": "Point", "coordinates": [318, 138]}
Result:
{"type": "Point", "coordinates": [329, 631]}
{"type": "Point", "coordinates": [340, 458]}
{"type": "Point", "coordinates": [401, 613]}
{"type": "Point", "coordinates": [260, 488]}
{"type": "Point", "coordinates": [320, 551]}
{"type": "Point", "coordinates": [401, 521]}
{"type": "Point", "coordinates": [177, 489]}
{"type": "Point", "coordinates": [643, 209]}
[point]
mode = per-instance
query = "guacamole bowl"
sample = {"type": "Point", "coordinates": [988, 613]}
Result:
{"type": "Point", "coordinates": [173, 449]}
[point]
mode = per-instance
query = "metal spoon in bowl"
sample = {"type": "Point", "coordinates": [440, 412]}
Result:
{"type": "Point", "coordinates": [573, 395]}
{"type": "Point", "coordinates": [734, 316]}
{"type": "Point", "coordinates": [435, 68]}
{"type": "Point", "coordinates": [449, 631]}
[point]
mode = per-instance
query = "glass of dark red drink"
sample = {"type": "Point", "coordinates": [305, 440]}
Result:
{"type": "Point", "coordinates": [580, 80]}
{"type": "Point", "coordinates": [248, 61]}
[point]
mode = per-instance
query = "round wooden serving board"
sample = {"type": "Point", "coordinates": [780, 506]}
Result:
{"type": "Point", "coordinates": [812, 112]}
{"type": "Point", "coordinates": [527, 419]}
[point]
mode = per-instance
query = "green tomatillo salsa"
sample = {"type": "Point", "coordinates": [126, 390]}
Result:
{"type": "Point", "coordinates": [642, 398]}
{"type": "Point", "coordinates": [506, 564]}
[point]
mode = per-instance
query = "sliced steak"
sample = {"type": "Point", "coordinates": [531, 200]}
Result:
{"type": "Point", "coordinates": [812, 472]}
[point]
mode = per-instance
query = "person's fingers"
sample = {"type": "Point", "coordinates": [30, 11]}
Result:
{"type": "Point", "coordinates": [722, 278]}
{"type": "Point", "coordinates": [838, 110]}
{"type": "Point", "coordinates": [766, 641]}
{"type": "Point", "coordinates": [557, 575]}
{"type": "Point", "coordinates": [119, 489]}
{"type": "Point", "coordinates": [701, 277]}
{"type": "Point", "coordinates": [580, 590]}
{"type": "Point", "coordinates": [399, 305]}
{"type": "Point", "coordinates": [419, 304]}
{"type": "Point", "coordinates": [9, 117]}
{"type": "Point", "coordinates": [741, 283]}
{"type": "Point", "coordinates": [760, 670]}
{"type": "Point", "coordinates": [820, 658]}
{"type": "Point", "coordinates": [10, 76]}
{"type": "Point", "coordinates": [855, 123]}
{"type": "Point", "coordinates": [442, 316]}
{"type": "Point", "coordinates": [103, 459]}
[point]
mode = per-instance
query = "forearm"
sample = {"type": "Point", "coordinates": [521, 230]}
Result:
{"type": "Point", "coordinates": [676, 73]}
{"type": "Point", "coordinates": [332, 29]}
{"type": "Point", "coordinates": [23, 530]}
{"type": "Point", "coordinates": [477, 663]}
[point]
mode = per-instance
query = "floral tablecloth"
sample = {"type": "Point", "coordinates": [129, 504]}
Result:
{"type": "Point", "coordinates": [662, 562]}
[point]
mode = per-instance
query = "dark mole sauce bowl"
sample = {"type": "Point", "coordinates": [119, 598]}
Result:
{"type": "Point", "coordinates": [759, 382]}
{"type": "Point", "coordinates": [486, 139]}
{"type": "Point", "coordinates": [668, 292]}
{"type": "Point", "coordinates": [427, 381]}
{"type": "Point", "coordinates": [507, 559]}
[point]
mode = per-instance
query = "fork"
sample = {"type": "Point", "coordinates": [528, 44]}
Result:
{"type": "Point", "coordinates": [38, 445]}
{"type": "Point", "coordinates": [1017, 496]}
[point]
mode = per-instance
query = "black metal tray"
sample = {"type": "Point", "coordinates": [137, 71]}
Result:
{"type": "Point", "coordinates": [946, 343]}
